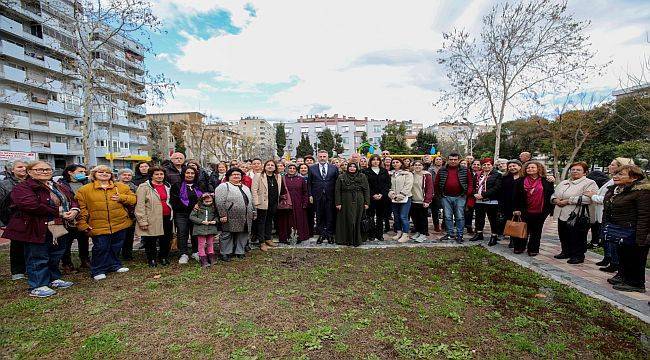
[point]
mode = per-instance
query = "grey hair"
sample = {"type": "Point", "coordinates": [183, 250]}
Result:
{"type": "Point", "coordinates": [122, 171]}
{"type": "Point", "coordinates": [11, 164]}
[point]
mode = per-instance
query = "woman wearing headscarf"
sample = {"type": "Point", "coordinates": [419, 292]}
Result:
{"type": "Point", "coordinates": [105, 217]}
{"type": "Point", "coordinates": [183, 196]}
{"type": "Point", "coordinates": [352, 198]}
{"type": "Point", "coordinates": [296, 217]}
{"type": "Point", "coordinates": [40, 208]}
{"type": "Point", "coordinates": [234, 203]}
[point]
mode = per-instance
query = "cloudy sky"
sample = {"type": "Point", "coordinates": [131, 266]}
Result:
{"type": "Point", "coordinates": [281, 59]}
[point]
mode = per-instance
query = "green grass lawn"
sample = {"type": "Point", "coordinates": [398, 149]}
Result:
{"type": "Point", "coordinates": [416, 303]}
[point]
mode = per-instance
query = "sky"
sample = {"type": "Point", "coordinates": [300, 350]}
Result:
{"type": "Point", "coordinates": [280, 59]}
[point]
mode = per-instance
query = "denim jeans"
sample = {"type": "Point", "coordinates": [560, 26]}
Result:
{"type": "Point", "coordinates": [401, 216]}
{"type": "Point", "coordinates": [17, 257]}
{"type": "Point", "coordinates": [42, 261]}
{"type": "Point", "coordinates": [611, 252]}
{"type": "Point", "coordinates": [106, 253]}
{"type": "Point", "coordinates": [454, 208]}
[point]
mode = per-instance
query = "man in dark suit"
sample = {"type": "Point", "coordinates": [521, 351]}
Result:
{"type": "Point", "coordinates": [321, 181]}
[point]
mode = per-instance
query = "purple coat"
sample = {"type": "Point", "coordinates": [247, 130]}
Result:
{"type": "Point", "coordinates": [31, 203]}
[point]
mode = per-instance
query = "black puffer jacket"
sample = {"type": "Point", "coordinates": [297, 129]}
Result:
{"type": "Point", "coordinates": [630, 208]}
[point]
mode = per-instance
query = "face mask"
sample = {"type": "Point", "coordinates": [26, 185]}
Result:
{"type": "Point", "coordinates": [79, 177]}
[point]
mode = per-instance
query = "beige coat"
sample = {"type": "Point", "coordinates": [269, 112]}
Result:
{"type": "Point", "coordinates": [149, 211]}
{"type": "Point", "coordinates": [572, 190]}
{"type": "Point", "coordinates": [260, 190]}
{"type": "Point", "coordinates": [401, 185]}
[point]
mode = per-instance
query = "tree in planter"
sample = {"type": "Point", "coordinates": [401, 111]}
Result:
{"type": "Point", "coordinates": [423, 142]}
{"type": "Point", "coordinates": [304, 147]}
{"type": "Point", "coordinates": [280, 138]}
{"type": "Point", "coordinates": [394, 139]}
{"type": "Point", "coordinates": [326, 141]}
{"type": "Point", "coordinates": [524, 50]}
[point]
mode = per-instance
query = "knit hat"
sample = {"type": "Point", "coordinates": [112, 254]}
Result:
{"type": "Point", "coordinates": [514, 161]}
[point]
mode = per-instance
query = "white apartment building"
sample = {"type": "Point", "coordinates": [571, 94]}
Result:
{"type": "Point", "coordinates": [40, 94]}
{"type": "Point", "coordinates": [349, 127]}
{"type": "Point", "coordinates": [261, 132]}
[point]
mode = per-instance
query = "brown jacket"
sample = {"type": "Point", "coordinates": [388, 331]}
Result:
{"type": "Point", "coordinates": [260, 190]}
{"type": "Point", "coordinates": [99, 212]}
{"type": "Point", "coordinates": [630, 208]}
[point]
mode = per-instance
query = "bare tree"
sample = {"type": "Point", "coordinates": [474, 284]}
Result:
{"type": "Point", "coordinates": [98, 25]}
{"type": "Point", "coordinates": [524, 50]}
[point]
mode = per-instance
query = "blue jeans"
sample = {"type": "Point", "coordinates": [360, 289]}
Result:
{"type": "Point", "coordinates": [611, 252]}
{"type": "Point", "coordinates": [454, 207]}
{"type": "Point", "coordinates": [401, 216]}
{"type": "Point", "coordinates": [106, 253]}
{"type": "Point", "coordinates": [42, 261]}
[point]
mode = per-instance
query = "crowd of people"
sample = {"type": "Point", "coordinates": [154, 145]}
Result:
{"type": "Point", "coordinates": [221, 213]}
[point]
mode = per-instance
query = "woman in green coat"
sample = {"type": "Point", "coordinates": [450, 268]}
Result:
{"type": "Point", "coordinates": [351, 197]}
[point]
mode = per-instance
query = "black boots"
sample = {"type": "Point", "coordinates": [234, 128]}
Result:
{"type": "Point", "coordinates": [493, 240]}
{"type": "Point", "coordinates": [477, 237]}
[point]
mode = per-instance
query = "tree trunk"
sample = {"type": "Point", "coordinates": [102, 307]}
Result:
{"type": "Point", "coordinates": [86, 118]}
{"type": "Point", "coordinates": [497, 141]}
{"type": "Point", "coordinates": [574, 153]}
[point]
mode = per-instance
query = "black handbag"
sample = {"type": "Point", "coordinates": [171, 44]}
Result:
{"type": "Point", "coordinates": [579, 218]}
{"type": "Point", "coordinates": [367, 223]}
{"type": "Point", "coordinates": [618, 234]}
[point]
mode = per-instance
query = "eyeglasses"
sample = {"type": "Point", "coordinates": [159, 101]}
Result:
{"type": "Point", "coordinates": [103, 172]}
{"type": "Point", "coordinates": [42, 171]}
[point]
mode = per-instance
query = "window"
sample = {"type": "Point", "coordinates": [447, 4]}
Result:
{"type": "Point", "coordinates": [22, 135]}
{"type": "Point", "coordinates": [304, 130]}
{"type": "Point", "coordinates": [376, 128]}
{"type": "Point", "coordinates": [19, 112]}
{"type": "Point", "coordinates": [15, 66]}
{"type": "Point", "coordinates": [332, 127]}
{"type": "Point", "coordinates": [101, 143]}
{"type": "Point", "coordinates": [77, 140]}
{"type": "Point", "coordinates": [345, 129]}
{"type": "Point", "coordinates": [319, 129]}
{"type": "Point", "coordinates": [58, 139]}
{"type": "Point", "coordinates": [345, 141]}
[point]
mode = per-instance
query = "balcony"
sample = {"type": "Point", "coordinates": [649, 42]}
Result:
{"type": "Point", "coordinates": [13, 74]}
{"type": "Point", "coordinates": [17, 122]}
{"type": "Point", "coordinates": [12, 50]}
{"type": "Point", "coordinates": [58, 127]}
{"type": "Point", "coordinates": [138, 109]}
{"type": "Point", "coordinates": [58, 148]}
{"type": "Point", "coordinates": [20, 145]}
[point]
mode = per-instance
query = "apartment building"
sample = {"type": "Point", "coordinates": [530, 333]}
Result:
{"type": "Point", "coordinates": [349, 127]}
{"type": "Point", "coordinates": [262, 134]}
{"type": "Point", "coordinates": [40, 93]}
{"type": "Point", "coordinates": [119, 128]}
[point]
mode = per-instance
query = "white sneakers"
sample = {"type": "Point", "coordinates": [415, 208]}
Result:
{"type": "Point", "coordinates": [17, 277]}
{"type": "Point", "coordinates": [404, 238]}
{"type": "Point", "coordinates": [397, 236]}
{"type": "Point", "coordinates": [122, 270]}
{"type": "Point", "coordinates": [419, 238]}
{"type": "Point", "coordinates": [99, 277]}
{"type": "Point", "coordinates": [183, 259]}
{"type": "Point", "coordinates": [195, 256]}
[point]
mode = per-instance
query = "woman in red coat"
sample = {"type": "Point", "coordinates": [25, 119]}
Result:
{"type": "Point", "coordinates": [41, 208]}
{"type": "Point", "coordinates": [297, 217]}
